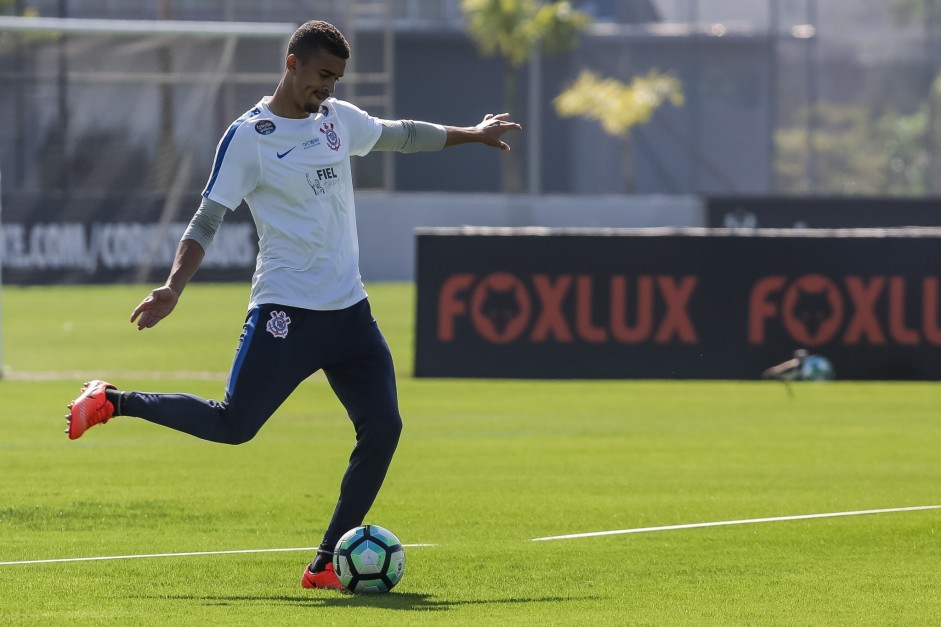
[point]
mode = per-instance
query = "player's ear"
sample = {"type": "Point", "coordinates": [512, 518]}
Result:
{"type": "Point", "coordinates": [290, 63]}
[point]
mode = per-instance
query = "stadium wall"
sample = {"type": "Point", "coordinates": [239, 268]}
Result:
{"type": "Point", "coordinates": [103, 240]}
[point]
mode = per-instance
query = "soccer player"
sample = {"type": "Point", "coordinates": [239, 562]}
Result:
{"type": "Point", "coordinates": [289, 159]}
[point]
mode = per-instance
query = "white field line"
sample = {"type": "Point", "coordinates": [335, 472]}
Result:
{"type": "Point", "coordinates": [102, 558]}
{"type": "Point", "coordinates": [749, 521]}
{"type": "Point", "coordinates": [592, 534]}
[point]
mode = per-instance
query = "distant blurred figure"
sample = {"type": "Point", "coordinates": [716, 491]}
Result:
{"type": "Point", "coordinates": [802, 367]}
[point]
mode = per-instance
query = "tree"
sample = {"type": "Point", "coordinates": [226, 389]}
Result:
{"type": "Point", "coordinates": [515, 30]}
{"type": "Point", "coordinates": [860, 152]}
{"type": "Point", "coordinates": [928, 14]}
{"type": "Point", "coordinates": [8, 7]}
{"type": "Point", "coordinates": [620, 107]}
{"type": "Point", "coordinates": [915, 11]}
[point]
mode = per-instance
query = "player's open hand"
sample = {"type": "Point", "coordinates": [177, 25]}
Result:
{"type": "Point", "coordinates": [155, 307]}
{"type": "Point", "coordinates": [493, 128]}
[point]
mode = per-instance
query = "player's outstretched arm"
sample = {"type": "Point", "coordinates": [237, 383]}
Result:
{"type": "Point", "coordinates": [410, 136]}
{"type": "Point", "coordinates": [161, 301]}
{"type": "Point", "coordinates": [490, 131]}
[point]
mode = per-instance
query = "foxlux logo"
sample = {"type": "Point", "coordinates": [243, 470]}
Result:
{"type": "Point", "coordinates": [502, 307]}
{"type": "Point", "coordinates": [815, 310]}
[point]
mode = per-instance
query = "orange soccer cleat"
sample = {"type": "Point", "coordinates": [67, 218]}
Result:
{"type": "Point", "coordinates": [89, 409]}
{"type": "Point", "coordinates": [324, 579]}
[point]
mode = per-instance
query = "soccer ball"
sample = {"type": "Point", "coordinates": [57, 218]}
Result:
{"type": "Point", "coordinates": [369, 559]}
{"type": "Point", "coordinates": [816, 368]}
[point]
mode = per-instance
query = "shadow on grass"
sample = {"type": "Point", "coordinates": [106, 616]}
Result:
{"type": "Point", "coordinates": [393, 601]}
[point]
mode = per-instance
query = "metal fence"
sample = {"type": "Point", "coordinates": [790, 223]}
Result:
{"type": "Point", "coordinates": [782, 96]}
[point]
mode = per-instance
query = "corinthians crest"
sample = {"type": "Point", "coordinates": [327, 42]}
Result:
{"type": "Point", "coordinates": [278, 325]}
{"type": "Point", "coordinates": [333, 140]}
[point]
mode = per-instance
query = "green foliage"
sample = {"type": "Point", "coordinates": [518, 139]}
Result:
{"type": "Point", "coordinates": [864, 150]}
{"type": "Point", "coordinates": [620, 107]}
{"type": "Point", "coordinates": [7, 38]}
{"type": "Point", "coordinates": [861, 152]}
{"type": "Point", "coordinates": [617, 106]}
{"type": "Point", "coordinates": [513, 28]}
{"type": "Point", "coordinates": [915, 11]}
{"type": "Point", "coordinates": [848, 162]}
{"type": "Point", "coordinates": [483, 467]}
{"type": "Point", "coordinates": [7, 7]}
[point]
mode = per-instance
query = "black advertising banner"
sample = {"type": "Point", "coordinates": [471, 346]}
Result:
{"type": "Point", "coordinates": [668, 303]}
{"type": "Point", "coordinates": [847, 212]}
{"type": "Point", "coordinates": [105, 240]}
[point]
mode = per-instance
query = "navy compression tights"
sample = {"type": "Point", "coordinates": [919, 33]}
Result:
{"type": "Point", "coordinates": [278, 349]}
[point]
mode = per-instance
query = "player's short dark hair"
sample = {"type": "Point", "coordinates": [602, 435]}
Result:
{"type": "Point", "coordinates": [317, 35]}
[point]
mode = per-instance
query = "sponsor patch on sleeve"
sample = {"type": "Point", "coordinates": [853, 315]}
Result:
{"type": "Point", "coordinates": [264, 127]}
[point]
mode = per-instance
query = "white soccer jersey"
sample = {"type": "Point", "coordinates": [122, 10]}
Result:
{"type": "Point", "coordinates": [294, 174]}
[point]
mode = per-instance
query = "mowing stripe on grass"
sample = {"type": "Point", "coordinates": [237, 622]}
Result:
{"type": "Point", "coordinates": [749, 521]}
{"type": "Point", "coordinates": [141, 375]}
{"type": "Point", "coordinates": [137, 375]}
{"type": "Point", "coordinates": [102, 558]}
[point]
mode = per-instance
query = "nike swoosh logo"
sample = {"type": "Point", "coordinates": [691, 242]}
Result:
{"type": "Point", "coordinates": [282, 155]}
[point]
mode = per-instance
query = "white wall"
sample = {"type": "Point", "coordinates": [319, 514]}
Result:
{"type": "Point", "coordinates": [387, 222]}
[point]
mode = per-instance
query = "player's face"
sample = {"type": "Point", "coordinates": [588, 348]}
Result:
{"type": "Point", "coordinates": [315, 79]}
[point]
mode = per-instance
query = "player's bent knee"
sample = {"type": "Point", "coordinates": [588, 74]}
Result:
{"type": "Point", "coordinates": [393, 427]}
{"type": "Point", "coordinates": [241, 436]}
{"type": "Point", "coordinates": [384, 431]}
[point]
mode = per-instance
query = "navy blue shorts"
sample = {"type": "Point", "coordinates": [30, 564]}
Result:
{"type": "Point", "coordinates": [279, 348]}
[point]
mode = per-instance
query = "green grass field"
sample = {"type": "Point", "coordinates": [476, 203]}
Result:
{"type": "Point", "coordinates": [483, 467]}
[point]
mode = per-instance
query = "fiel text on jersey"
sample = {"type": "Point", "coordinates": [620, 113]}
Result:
{"type": "Point", "coordinates": [326, 178]}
